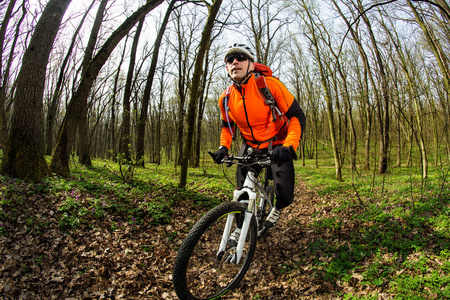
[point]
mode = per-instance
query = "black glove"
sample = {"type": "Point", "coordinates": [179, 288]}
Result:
{"type": "Point", "coordinates": [220, 154]}
{"type": "Point", "coordinates": [282, 154]}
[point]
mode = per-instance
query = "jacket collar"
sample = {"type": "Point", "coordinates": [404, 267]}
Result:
{"type": "Point", "coordinates": [246, 81]}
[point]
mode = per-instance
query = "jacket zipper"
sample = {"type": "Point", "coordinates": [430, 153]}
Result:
{"type": "Point", "coordinates": [245, 110]}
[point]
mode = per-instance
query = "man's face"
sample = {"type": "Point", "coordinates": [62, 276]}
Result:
{"type": "Point", "coordinates": [238, 65]}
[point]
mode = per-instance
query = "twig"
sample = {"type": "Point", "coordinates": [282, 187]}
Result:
{"type": "Point", "coordinates": [444, 179]}
{"type": "Point", "coordinates": [359, 198]}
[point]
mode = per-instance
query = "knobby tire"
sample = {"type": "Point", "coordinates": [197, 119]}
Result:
{"type": "Point", "coordinates": [270, 191]}
{"type": "Point", "coordinates": [198, 273]}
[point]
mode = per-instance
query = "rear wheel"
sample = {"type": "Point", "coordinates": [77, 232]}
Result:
{"type": "Point", "coordinates": [264, 211]}
{"type": "Point", "coordinates": [200, 272]}
{"type": "Point", "coordinates": [270, 190]}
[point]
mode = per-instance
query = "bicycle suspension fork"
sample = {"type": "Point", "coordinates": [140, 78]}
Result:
{"type": "Point", "coordinates": [249, 188]}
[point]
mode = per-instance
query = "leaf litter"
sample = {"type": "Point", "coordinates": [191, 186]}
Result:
{"type": "Point", "coordinates": [38, 260]}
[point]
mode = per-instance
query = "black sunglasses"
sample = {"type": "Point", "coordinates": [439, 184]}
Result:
{"type": "Point", "coordinates": [239, 57]}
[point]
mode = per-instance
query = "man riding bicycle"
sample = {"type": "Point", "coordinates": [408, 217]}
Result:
{"type": "Point", "coordinates": [242, 105]}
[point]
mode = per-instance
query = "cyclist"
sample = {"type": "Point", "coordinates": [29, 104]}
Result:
{"type": "Point", "coordinates": [247, 109]}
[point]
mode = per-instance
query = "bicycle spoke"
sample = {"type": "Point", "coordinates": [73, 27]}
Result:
{"type": "Point", "coordinates": [209, 274]}
{"type": "Point", "coordinates": [214, 256]}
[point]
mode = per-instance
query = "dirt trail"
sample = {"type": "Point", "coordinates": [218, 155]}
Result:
{"type": "Point", "coordinates": [135, 261]}
{"type": "Point", "coordinates": [277, 271]}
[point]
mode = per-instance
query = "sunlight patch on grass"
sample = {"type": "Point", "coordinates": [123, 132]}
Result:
{"type": "Point", "coordinates": [393, 230]}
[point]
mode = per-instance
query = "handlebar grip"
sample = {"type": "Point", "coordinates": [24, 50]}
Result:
{"type": "Point", "coordinates": [223, 159]}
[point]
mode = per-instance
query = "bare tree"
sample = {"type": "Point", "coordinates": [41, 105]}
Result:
{"type": "Point", "coordinates": [439, 54]}
{"type": "Point", "coordinates": [313, 36]}
{"type": "Point", "coordinates": [210, 71]}
{"type": "Point", "coordinates": [126, 113]}
{"type": "Point", "coordinates": [265, 21]}
{"type": "Point", "coordinates": [5, 74]}
{"type": "Point", "coordinates": [23, 154]}
{"type": "Point", "coordinates": [383, 102]}
{"type": "Point", "coordinates": [60, 158]}
{"type": "Point", "coordinates": [142, 119]}
{"type": "Point", "coordinates": [304, 93]}
{"type": "Point", "coordinates": [367, 76]}
{"type": "Point", "coordinates": [213, 9]}
{"type": "Point", "coordinates": [407, 65]}
{"type": "Point", "coordinates": [83, 126]}
{"type": "Point", "coordinates": [185, 39]}
{"type": "Point", "coordinates": [53, 104]}
{"type": "Point", "coordinates": [159, 113]}
{"type": "Point", "coordinates": [112, 147]}
{"type": "Point", "coordinates": [3, 27]}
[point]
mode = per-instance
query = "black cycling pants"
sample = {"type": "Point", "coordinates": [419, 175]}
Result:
{"type": "Point", "coordinates": [283, 179]}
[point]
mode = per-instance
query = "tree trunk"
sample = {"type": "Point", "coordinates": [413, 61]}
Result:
{"type": "Point", "coordinates": [383, 105]}
{"type": "Point", "coordinates": [3, 123]}
{"type": "Point", "coordinates": [414, 94]}
{"type": "Point", "coordinates": [53, 105]}
{"type": "Point", "coordinates": [142, 120]}
{"type": "Point", "coordinates": [399, 138]}
{"type": "Point", "coordinates": [443, 66]}
{"type": "Point", "coordinates": [435, 121]}
{"type": "Point", "coordinates": [23, 154]}
{"type": "Point", "coordinates": [194, 95]}
{"type": "Point", "coordinates": [201, 108]}
{"type": "Point", "coordinates": [83, 127]}
{"type": "Point", "coordinates": [158, 125]}
{"type": "Point", "coordinates": [365, 94]}
{"type": "Point", "coordinates": [348, 114]}
{"type": "Point", "coordinates": [60, 159]}
{"type": "Point", "coordinates": [330, 112]}
{"type": "Point", "coordinates": [126, 113]}
{"type": "Point", "coordinates": [182, 69]}
{"type": "Point", "coordinates": [112, 133]}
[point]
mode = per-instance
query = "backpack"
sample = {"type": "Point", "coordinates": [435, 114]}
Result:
{"type": "Point", "coordinates": [261, 72]}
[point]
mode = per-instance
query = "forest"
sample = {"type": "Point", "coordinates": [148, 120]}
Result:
{"type": "Point", "coordinates": [125, 91]}
{"type": "Point", "coordinates": [108, 78]}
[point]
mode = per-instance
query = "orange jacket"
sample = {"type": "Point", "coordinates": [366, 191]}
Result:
{"type": "Point", "coordinates": [253, 116]}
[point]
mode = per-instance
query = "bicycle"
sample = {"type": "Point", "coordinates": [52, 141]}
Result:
{"type": "Point", "coordinates": [207, 266]}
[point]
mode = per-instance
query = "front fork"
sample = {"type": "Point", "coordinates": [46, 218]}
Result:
{"type": "Point", "coordinates": [242, 237]}
{"type": "Point", "coordinates": [249, 212]}
{"type": "Point", "coordinates": [226, 233]}
{"type": "Point", "coordinates": [249, 188]}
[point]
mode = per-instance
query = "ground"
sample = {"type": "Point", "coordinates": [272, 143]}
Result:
{"type": "Point", "coordinates": [113, 259]}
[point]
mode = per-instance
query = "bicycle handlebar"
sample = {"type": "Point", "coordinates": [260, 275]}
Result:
{"type": "Point", "coordinates": [253, 158]}
{"type": "Point", "coordinates": [249, 159]}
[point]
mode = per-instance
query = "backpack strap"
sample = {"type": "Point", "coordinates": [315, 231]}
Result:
{"type": "Point", "coordinates": [268, 97]}
{"type": "Point", "coordinates": [225, 102]}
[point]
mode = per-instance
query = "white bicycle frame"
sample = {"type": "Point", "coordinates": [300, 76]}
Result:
{"type": "Point", "coordinates": [251, 185]}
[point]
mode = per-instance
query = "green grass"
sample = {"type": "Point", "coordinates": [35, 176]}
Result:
{"type": "Point", "coordinates": [390, 231]}
{"type": "Point", "coordinates": [99, 194]}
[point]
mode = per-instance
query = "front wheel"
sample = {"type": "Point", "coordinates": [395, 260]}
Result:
{"type": "Point", "coordinates": [200, 271]}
